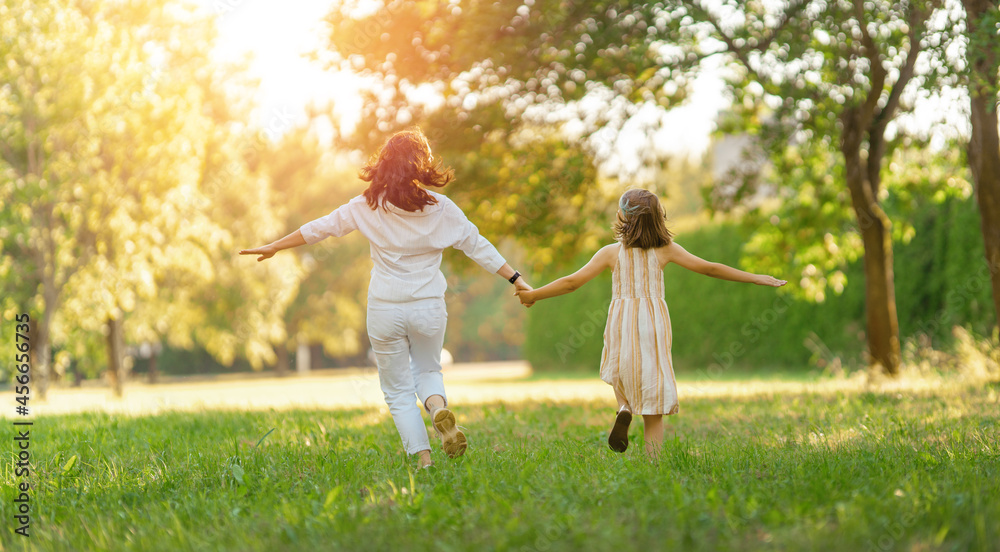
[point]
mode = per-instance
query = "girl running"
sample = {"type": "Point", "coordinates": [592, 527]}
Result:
{"type": "Point", "coordinates": [636, 359]}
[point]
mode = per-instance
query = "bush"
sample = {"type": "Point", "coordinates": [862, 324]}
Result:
{"type": "Point", "coordinates": [941, 282]}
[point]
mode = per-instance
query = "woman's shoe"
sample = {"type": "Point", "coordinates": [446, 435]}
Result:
{"type": "Point", "coordinates": [452, 439]}
{"type": "Point", "coordinates": [618, 440]}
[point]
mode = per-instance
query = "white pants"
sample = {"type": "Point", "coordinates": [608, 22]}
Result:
{"type": "Point", "coordinates": [407, 340]}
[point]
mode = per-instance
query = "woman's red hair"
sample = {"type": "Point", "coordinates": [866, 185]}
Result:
{"type": "Point", "coordinates": [396, 171]}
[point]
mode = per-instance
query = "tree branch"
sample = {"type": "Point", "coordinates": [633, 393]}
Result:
{"type": "Point", "coordinates": [791, 12]}
{"type": "Point", "coordinates": [730, 42]}
{"type": "Point", "coordinates": [878, 72]}
{"type": "Point", "coordinates": [731, 46]}
{"type": "Point", "coordinates": [876, 134]}
{"type": "Point", "coordinates": [916, 23]}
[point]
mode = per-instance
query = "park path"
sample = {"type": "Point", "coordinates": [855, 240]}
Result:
{"type": "Point", "coordinates": [473, 383]}
{"type": "Point", "coordinates": [336, 388]}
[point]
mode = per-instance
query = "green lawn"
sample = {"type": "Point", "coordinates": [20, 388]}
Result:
{"type": "Point", "coordinates": [733, 374]}
{"type": "Point", "coordinates": [858, 471]}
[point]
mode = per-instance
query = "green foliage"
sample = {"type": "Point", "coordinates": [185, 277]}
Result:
{"type": "Point", "coordinates": [545, 51]}
{"type": "Point", "coordinates": [487, 106]}
{"type": "Point", "coordinates": [815, 83]}
{"type": "Point", "coordinates": [535, 194]}
{"type": "Point", "coordinates": [129, 167]}
{"type": "Point", "coordinates": [717, 325]}
{"type": "Point", "coordinates": [806, 234]}
{"type": "Point", "coordinates": [566, 333]}
{"type": "Point", "coordinates": [942, 282]}
{"type": "Point", "coordinates": [329, 304]}
{"type": "Point", "coordinates": [779, 470]}
{"type": "Point", "coordinates": [978, 69]}
{"type": "Point", "coordinates": [485, 321]}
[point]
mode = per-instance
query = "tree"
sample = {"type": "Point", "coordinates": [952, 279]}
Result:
{"type": "Point", "coordinates": [132, 186]}
{"type": "Point", "coordinates": [47, 109]}
{"type": "Point", "coordinates": [328, 306]}
{"type": "Point", "coordinates": [210, 296]}
{"type": "Point", "coordinates": [837, 73]}
{"type": "Point", "coordinates": [982, 62]}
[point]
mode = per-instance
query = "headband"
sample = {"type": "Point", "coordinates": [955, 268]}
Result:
{"type": "Point", "coordinates": [625, 207]}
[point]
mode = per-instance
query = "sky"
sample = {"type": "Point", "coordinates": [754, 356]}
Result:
{"type": "Point", "coordinates": [277, 34]}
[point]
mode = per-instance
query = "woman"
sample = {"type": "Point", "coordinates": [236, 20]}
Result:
{"type": "Point", "coordinates": [408, 227]}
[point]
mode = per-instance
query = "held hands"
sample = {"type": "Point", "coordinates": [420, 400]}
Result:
{"type": "Point", "coordinates": [765, 280]}
{"type": "Point", "coordinates": [522, 291]}
{"type": "Point", "coordinates": [265, 252]}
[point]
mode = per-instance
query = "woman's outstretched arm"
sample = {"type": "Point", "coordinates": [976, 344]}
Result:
{"type": "Point", "coordinates": [507, 272]}
{"type": "Point", "coordinates": [338, 223]}
{"type": "Point", "coordinates": [604, 258]}
{"type": "Point", "coordinates": [294, 239]}
{"type": "Point", "coordinates": [677, 254]}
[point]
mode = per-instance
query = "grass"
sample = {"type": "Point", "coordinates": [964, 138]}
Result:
{"type": "Point", "coordinates": [859, 470]}
{"type": "Point", "coordinates": [732, 374]}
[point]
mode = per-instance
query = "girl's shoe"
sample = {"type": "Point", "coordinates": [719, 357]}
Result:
{"type": "Point", "coordinates": [618, 440]}
{"type": "Point", "coordinates": [452, 439]}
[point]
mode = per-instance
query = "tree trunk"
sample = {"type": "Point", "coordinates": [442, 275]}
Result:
{"type": "Point", "coordinates": [316, 356]}
{"type": "Point", "coordinates": [880, 292]}
{"type": "Point", "coordinates": [33, 354]}
{"type": "Point", "coordinates": [41, 348]}
{"type": "Point", "coordinates": [876, 235]}
{"type": "Point", "coordinates": [77, 376]}
{"type": "Point", "coordinates": [303, 360]}
{"type": "Point", "coordinates": [984, 146]}
{"type": "Point", "coordinates": [282, 368]}
{"type": "Point", "coordinates": [984, 155]}
{"type": "Point", "coordinates": [116, 357]}
{"type": "Point", "coordinates": [153, 373]}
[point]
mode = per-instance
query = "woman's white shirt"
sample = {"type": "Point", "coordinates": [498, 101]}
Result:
{"type": "Point", "coordinates": [406, 247]}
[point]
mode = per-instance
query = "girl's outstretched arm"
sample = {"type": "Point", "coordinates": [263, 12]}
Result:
{"type": "Point", "coordinates": [604, 258]}
{"type": "Point", "coordinates": [294, 239]}
{"type": "Point", "coordinates": [677, 254]}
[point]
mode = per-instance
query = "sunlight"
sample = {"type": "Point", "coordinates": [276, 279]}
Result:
{"type": "Point", "coordinates": [469, 384]}
{"type": "Point", "coordinates": [277, 37]}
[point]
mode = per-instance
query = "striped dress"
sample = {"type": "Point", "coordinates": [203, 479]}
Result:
{"type": "Point", "coordinates": [636, 358]}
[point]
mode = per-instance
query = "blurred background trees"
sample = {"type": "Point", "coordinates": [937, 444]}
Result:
{"type": "Point", "coordinates": [130, 174]}
{"type": "Point", "coordinates": [977, 70]}
{"type": "Point", "coordinates": [128, 185]}
{"type": "Point", "coordinates": [817, 86]}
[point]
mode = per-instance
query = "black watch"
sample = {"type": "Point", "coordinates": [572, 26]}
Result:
{"type": "Point", "coordinates": [514, 277]}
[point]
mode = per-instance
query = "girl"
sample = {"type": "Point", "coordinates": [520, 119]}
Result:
{"type": "Point", "coordinates": [636, 359]}
{"type": "Point", "coordinates": [408, 227]}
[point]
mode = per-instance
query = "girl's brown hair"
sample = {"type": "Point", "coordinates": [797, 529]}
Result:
{"type": "Point", "coordinates": [403, 162]}
{"type": "Point", "coordinates": [641, 221]}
